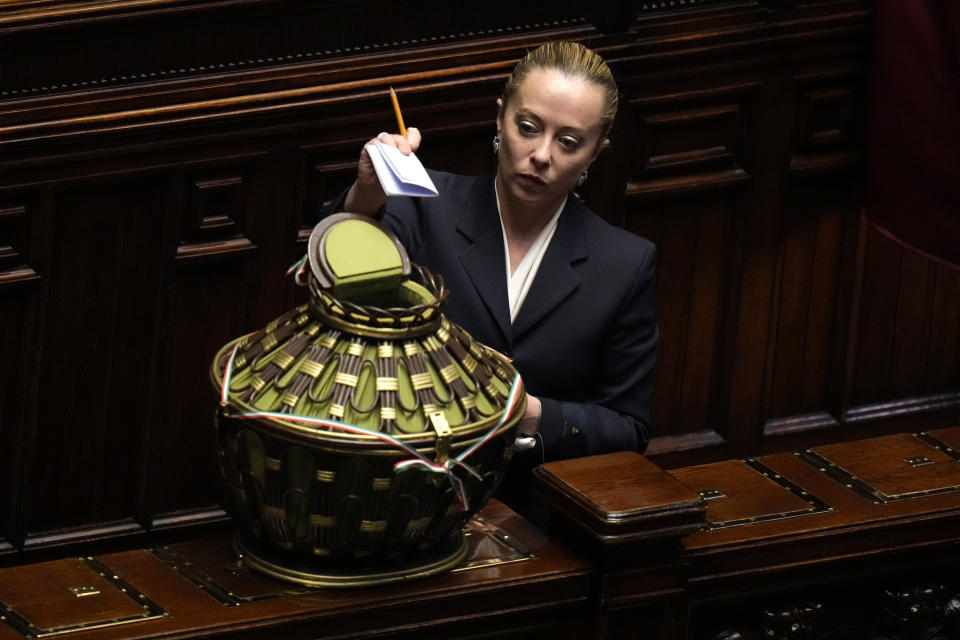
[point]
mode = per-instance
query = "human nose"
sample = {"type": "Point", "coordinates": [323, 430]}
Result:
{"type": "Point", "coordinates": [541, 152]}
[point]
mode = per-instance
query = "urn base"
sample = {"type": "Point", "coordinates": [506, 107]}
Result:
{"type": "Point", "coordinates": [291, 568]}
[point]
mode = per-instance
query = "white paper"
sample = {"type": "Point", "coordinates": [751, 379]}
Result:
{"type": "Point", "coordinates": [400, 175]}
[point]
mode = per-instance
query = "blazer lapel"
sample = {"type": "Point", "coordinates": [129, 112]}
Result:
{"type": "Point", "coordinates": [556, 278]}
{"type": "Point", "coordinates": [483, 259]}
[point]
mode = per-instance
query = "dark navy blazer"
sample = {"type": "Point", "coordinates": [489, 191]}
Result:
{"type": "Point", "coordinates": [585, 336]}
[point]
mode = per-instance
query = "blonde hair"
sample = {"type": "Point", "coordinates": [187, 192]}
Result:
{"type": "Point", "coordinates": [572, 59]}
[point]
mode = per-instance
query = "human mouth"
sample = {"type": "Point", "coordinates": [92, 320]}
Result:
{"type": "Point", "coordinates": [532, 181]}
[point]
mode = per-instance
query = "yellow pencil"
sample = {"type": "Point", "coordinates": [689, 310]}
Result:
{"type": "Point", "coordinates": [396, 111]}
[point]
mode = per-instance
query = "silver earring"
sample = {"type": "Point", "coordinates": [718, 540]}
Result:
{"type": "Point", "coordinates": [496, 144]}
{"type": "Point", "coordinates": [582, 178]}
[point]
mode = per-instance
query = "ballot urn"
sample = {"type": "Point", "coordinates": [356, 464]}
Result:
{"type": "Point", "coordinates": [359, 432]}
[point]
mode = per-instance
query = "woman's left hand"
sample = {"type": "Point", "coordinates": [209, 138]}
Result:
{"type": "Point", "coordinates": [530, 422]}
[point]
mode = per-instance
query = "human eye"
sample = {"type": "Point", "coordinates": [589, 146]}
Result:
{"type": "Point", "coordinates": [569, 143]}
{"type": "Point", "coordinates": [527, 127]}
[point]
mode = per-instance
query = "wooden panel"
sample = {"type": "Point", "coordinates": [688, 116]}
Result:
{"type": "Point", "coordinates": [97, 360]}
{"type": "Point", "coordinates": [76, 594]}
{"type": "Point", "coordinates": [214, 215]}
{"type": "Point", "coordinates": [806, 356]}
{"type": "Point", "coordinates": [808, 351]}
{"type": "Point", "coordinates": [848, 508]}
{"type": "Point", "coordinates": [907, 303]}
{"type": "Point", "coordinates": [211, 303]}
{"type": "Point", "coordinates": [737, 150]}
{"type": "Point", "coordinates": [943, 364]}
{"type": "Point", "coordinates": [608, 487]}
{"type": "Point", "coordinates": [911, 342]}
{"type": "Point", "coordinates": [694, 247]}
{"type": "Point", "coordinates": [828, 102]}
{"type": "Point", "coordinates": [738, 493]}
{"type": "Point", "coordinates": [896, 466]}
{"type": "Point", "coordinates": [876, 320]}
{"type": "Point", "coordinates": [18, 309]}
{"type": "Point", "coordinates": [686, 194]}
{"type": "Point", "coordinates": [19, 304]}
{"type": "Point", "coordinates": [14, 245]}
{"type": "Point", "coordinates": [185, 469]}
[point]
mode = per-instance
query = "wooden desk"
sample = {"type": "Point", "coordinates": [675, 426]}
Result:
{"type": "Point", "coordinates": [854, 541]}
{"type": "Point", "coordinates": [860, 540]}
{"type": "Point", "coordinates": [189, 591]}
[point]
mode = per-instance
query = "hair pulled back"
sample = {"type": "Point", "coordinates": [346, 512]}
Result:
{"type": "Point", "coordinates": [572, 59]}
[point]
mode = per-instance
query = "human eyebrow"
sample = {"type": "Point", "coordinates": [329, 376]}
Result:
{"type": "Point", "coordinates": [528, 115]}
{"type": "Point", "coordinates": [571, 130]}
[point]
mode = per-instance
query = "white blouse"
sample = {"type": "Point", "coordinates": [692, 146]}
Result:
{"type": "Point", "coordinates": [518, 282]}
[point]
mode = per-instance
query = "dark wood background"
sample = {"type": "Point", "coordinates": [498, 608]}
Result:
{"type": "Point", "coordinates": [162, 162]}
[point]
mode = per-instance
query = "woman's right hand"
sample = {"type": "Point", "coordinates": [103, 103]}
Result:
{"type": "Point", "coordinates": [366, 196]}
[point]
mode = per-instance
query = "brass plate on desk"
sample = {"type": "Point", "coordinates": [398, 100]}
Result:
{"type": "Point", "coordinates": [890, 468]}
{"type": "Point", "coordinates": [742, 492]}
{"type": "Point", "coordinates": [488, 545]}
{"type": "Point", "coordinates": [211, 565]}
{"type": "Point", "coordinates": [65, 596]}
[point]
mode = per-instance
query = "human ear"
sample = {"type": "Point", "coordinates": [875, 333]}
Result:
{"type": "Point", "coordinates": [499, 114]}
{"type": "Point", "coordinates": [601, 145]}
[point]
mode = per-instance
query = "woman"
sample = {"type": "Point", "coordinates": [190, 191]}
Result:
{"type": "Point", "coordinates": [532, 272]}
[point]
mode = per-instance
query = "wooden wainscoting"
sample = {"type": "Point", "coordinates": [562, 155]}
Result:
{"type": "Point", "coordinates": [161, 164]}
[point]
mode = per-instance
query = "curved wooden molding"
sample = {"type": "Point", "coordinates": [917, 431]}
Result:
{"type": "Point", "coordinates": [19, 11]}
{"type": "Point", "coordinates": [99, 531]}
{"type": "Point", "coordinates": [922, 404]}
{"type": "Point", "coordinates": [191, 252]}
{"type": "Point", "coordinates": [18, 276]}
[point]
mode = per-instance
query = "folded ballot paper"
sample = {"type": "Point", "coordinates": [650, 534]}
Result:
{"type": "Point", "coordinates": [400, 175]}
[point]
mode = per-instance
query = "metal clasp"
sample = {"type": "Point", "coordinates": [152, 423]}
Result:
{"type": "Point", "coordinates": [84, 591]}
{"type": "Point", "coordinates": [711, 494]}
{"type": "Point", "coordinates": [918, 461]}
{"type": "Point", "coordinates": [444, 434]}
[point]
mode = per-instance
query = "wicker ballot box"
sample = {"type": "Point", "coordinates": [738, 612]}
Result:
{"type": "Point", "coordinates": [359, 432]}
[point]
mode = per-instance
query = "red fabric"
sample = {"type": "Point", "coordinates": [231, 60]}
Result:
{"type": "Point", "coordinates": [914, 185]}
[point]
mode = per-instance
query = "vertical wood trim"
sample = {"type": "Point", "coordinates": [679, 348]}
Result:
{"type": "Point", "coordinates": [931, 307]}
{"type": "Point", "coordinates": [930, 273]}
{"type": "Point", "coordinates": [943, 363]}
{"type": "Point", "coordinates": [933, 277]}
{"type": "Point", "coordinates": [813, 238]}
{"type": "Point", "coordinates": [729, 313]}
{"type": "Point", "coordinates": [170, 227]}
{"type": "Point", "coordinates": [153, 420]}
{"type": "Point", "coordinates": [853, 332]}
{"type": "Point", "coordinates": [773, 329]}
{"type": "Point", "coordinates": [891, 345]}
{"type": "Point", "coordinates": [687, 306]}
{"type": "Point", "coordinates": [42, 232]}
{"type": "Point", "coordinates": [957, 354]}
{"type": "Point", "coordinates": [756, 306]}
{"type": "Point", "coordinates": [835, 381]}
